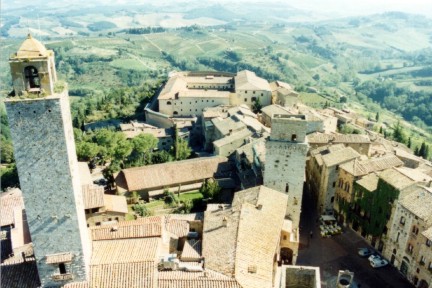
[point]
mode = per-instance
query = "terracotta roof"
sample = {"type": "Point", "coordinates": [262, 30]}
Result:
{"type": "Point", "coordinates": [318, 137]}
{"type": "Point", "coordinates": [414, 174]}
{"type": "Point", "coordinates": [359, 168]}
{"type": "Point", "coordinates": [59, 258]}
{"type": "Point", "coordinates": [9, 202]}
{"type": "Point", "coordinates": [20, 275]}
{"type": "Point", "coordinates": [428, 233]}
{"type": "Point", "coordinates": [419, 203]}
{"type": "Point", "coordinates": [180, 228]}
{"type": "Point", "coordinates": [115, 203]}
{"type": "Point", "coordinates": [191, 250]}
{"type": "Point", "coordinates": [126, 229]}
{"type": "Point", "coordinates": [237, 135]}
{"type": "Point", "coordinates": [340, 156]}
{"type": "Point", "coordinates": [207, 279]}
{"type": "Point", "coordinates": [351, 138]}
{"type": "Point", "coordinates": [124, 275]}
{"type": "Point", "coordinates": [77, 285]}
{"type": "Point", "coordinates": [93, 196]}
{"type": "Point", "coordinates": [247, 80]}
{"type": "Point", "coordinates": [31, 48]}
{"type": "Point", "coordinates": [171, 173]}
{"type": "Point", "coordinates": [369, 182]}
{"type": "Point", "coordinates": [250, 236]}
{"type": "Point", "coordinates": [396, 178]}
{"type": "Point", "coordinates": [125, 250]}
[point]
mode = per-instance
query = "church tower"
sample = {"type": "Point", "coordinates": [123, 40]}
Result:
{"type": "Point", "coordinates": [41, 128]}
{"type": "Point", "coordinates": [284, 171]}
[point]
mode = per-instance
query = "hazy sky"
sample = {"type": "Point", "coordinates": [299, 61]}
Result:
{"type": "Point", "coordinates": [337, 8]}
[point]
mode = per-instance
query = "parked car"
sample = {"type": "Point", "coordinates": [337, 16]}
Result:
{"type": "Point", "coordinates": [101, 181]}
{"type": "Point", "coordinates": [378, 262]}
{"type": "Point", "coordinates": [374, 256]}
{"type": "Point", "coordinates": [365, 252]}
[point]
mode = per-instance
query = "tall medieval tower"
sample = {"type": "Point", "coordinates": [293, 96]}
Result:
{"type": "Point", "coordinates": [41, 128]}
{"type": "Point", "coordinates": [285, 164]}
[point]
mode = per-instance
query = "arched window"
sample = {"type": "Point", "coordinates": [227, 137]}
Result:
{"type": "Point", "coordinates": [175, 113]}
{"type": "Point", "coordinates": [169, 103]}
{"type": "Point", "coordinates": [32, 77]}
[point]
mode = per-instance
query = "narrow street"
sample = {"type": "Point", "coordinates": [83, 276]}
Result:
{"type": "Point", "coordinates": [340, 253]}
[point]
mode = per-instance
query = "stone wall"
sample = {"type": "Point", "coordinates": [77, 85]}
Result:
{"type": "Point", "coordinates": [44, 148]}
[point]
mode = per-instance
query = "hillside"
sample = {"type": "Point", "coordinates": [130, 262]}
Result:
{"type": "Point", "coordinates": [375, 62]}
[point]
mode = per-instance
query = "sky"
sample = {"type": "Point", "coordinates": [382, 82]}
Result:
{"type": "Point", "coordinates": [337, 8]}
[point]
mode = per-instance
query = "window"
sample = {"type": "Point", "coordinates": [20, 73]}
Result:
{"type": "Point", "coordinates": [32, 77]}
{"type": "Point", "coordinates": [284, 237]}
{"type": "Point", "coordinates": [410, 248]}
{"type": "Point", "coordinates": [175, 113]}
{"type": "Point", "coordinates": [253, 99]}
{"type": "Point", "coordinates": [262, 94]}
{"type": "Point", "coordinates": [169, 103]}
{"type": "Point", "coordinates": [334, 184]}
{"type": "Point", "coordinates": [415, 230]}
{"type": "Point", "coordinates": [286, 188]}
{"type": "Point", "coordinates": [428, 242]}
{"type": "Point", "coordinates": [294, 137]}
{"type": "Point", "coordinates": [252, 269]}
{"type": "Point", "coordinates": [422, 260]}
{"type": "Point", "coordinates": [402, 220]}
{"type": "Point", "coordinates": [337, 167]}
{"type": "Point", "coordinates": [62, 268]}
{"type": "Point", "coordinates": [245, 99]}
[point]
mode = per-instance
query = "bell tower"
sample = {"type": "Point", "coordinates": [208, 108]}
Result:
{"type": "Point", "coordinates": [41, 128]}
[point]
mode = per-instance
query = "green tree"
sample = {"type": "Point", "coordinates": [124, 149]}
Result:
{"type": "Point", "coordinates": [86, 150]}
{"type": "Point", "coordinates": [183, 149]}
{"type": "Point", "coordinates": [169, 198]}
{"type": "Point", "coordinates": [377, 116]}
{"type": "Point", "coordinates": [109, 172]}
{"type": "Point", "coordinates": [141, 210]}
{"type": "Point", "coordinates": [6, 150]}
{"type": "Point", "coordinates": [161, 157]}
{"type": "Point", "coordinates": [9, 177]}
{"type": "Point", "coordinates": [210, 189]}
{"type": "Point", "coordinates": [256, 106]}
{"type": "Point", "coordinates": [143, 146]}
{"type": "Point", "coordinates": [409, 142]}
{"type": "Point", "coordinates": [398, 133]}
{"type": "Point", "coordinates": [185, 207]}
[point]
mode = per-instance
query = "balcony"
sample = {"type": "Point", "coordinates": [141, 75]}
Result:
{"type": "Point", "coordinates": [62, 277]}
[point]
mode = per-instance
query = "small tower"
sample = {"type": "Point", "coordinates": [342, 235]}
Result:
{"type": "Point", "coordinates": [42, 134]}
{"type": "Point", "coordinates": [285, 163]}
{"type": "Point", "coordinates": [33, 68]}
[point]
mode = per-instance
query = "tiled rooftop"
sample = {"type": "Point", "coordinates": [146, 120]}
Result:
{"type": "Point", "coordinates": [247, 80]}
{"type": "Point", "coordinates": [396, 178]}
{"type": "Point", "coordinates": [369, 182]}
{"type": "Point", "coordinates": [125, 250]}
{"type": "Point", "coordinates": [359, 168]}
{"type": "Point", "coordinates": [171, 173]}
{"type": "Point", "coordinates": [9, 201]}
{"type": "Point", "coordinates": [419, 203]}
{"type": "Point", "coordinates": [93, 196]}
{"type": "Point", "coordinates": [340, 156]}
{"type": "Point", "coordinates": [247, 240]}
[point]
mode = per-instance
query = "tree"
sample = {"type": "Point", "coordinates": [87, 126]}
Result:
{"type": "Point", "coordinates": [141, 210]}
{"type": "Point", "coordinates": [423, 150]}
{"type": "Point", "coordinates": [210, 189]}
{"type": "Point", "coordinates": [377, 116]}
{"type": "Point", "coordinates": [183, 149]}
{"type": "Point", "coordinates": [256, 106]}
{"type": "Point", "coordinates": [185, 207]}
{"type": "Point", "coordinates": [143, 145]}
{"type": "Point", "coordinates": [109, 172]}
{"type": "Point", "coordinates": [161, 157]}
{"type": "Point", "coordinates": [9, 177]}
{"type": "Point", "coordinates": [86, 150]}
{"type": "Point", "coordinates": [409, 142]}
{"type": "Point", "coordinates": [398, 133]}
{"type": "Point", "coordinates": [169, 197]}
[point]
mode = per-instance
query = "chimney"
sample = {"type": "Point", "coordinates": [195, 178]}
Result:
{"type": "Point", "coordinates": [225, 222]}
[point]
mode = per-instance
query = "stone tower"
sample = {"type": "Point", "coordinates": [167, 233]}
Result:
{"type": "Point", "coordinates": [41, 128]}
{"type": "Point", "coordinates": [285, 163]}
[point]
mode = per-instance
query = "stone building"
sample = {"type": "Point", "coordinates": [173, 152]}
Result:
{"type": "Point", "coordinates": [355, 170]}
{"type": "Point", "coordinates": [44, 148]}
{"type": "Point", "coordinates": [189, 93]}
{"type": "Point", "coordinates": [283, 94]}
{"type": "Point", "coordinates": [186, 175]}
{"type": "Point", "coordinates": [284, 171]}
{"type": "Point", "coordinates": [323, 170]}
{"type": "Point", "coordinates": [407, 247]}
{"type": "Point", "coordinates": [358, 142]}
